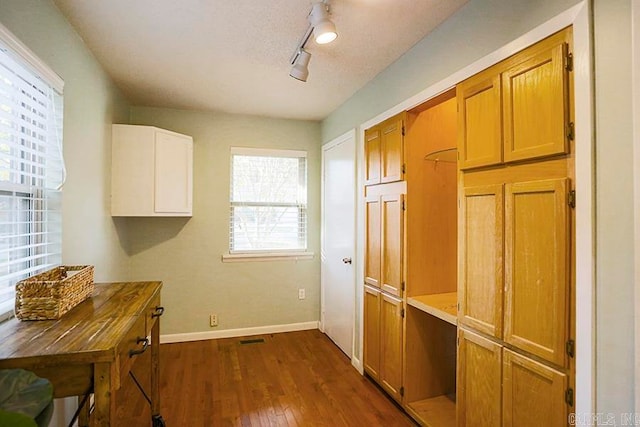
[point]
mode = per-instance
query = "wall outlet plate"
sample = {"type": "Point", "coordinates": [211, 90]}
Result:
{"type": "Point", "coordinates": [301, 294]}
{"type": "Point", "coordinates": [213, 320]}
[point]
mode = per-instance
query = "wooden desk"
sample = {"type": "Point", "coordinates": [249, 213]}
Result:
{"type": "Point", "coordinates": [88, 349]}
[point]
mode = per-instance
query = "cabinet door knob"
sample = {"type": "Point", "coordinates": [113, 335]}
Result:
{"type": "Point", "coordinates": [346, 260]}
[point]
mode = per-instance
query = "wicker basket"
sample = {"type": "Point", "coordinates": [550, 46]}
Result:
{"type": "Point", "coordinates": [51, 294]}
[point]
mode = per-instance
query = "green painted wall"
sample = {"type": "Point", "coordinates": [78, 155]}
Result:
{"type": "Point", "coordinates": [91, 104]}
{"type": "Point", "coordinates": [186, 253]}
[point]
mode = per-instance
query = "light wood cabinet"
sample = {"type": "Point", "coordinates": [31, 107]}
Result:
{"type": "Point", "coordinates": [383, 331]}
{"type": "Point", "coordinates": [517, 109]}
{"type": "Point", "coordinates": [391, 314]}
{"type": "Point", "coordinates": [533, 394]}
{"type": "Point", "coordinates": [373, 240]}
{"type": "Point", "coordinates": [372, 332]}
{"type": "Point", "coordinates": [480, 120]}
{"type": "Point", "coordinates": [535, 102]}
{"type": "Point", "coordinates": [481, 260]}
{"type": "Point", "coordinates": [392, 231]}
{"type": "Point", "coordinates": [479, 381]}
{"type": "Point", "coordinates": [384, 151]}
{"type": "Point", "coordinates": [152, 172]}
{"type": "Point", "coordinates": [537, 267]}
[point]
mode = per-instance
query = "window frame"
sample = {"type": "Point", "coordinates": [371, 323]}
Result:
{"type": "Point", "coordinates": [235, 255]}
{"type": "Point", "coordinates": [39, 203]}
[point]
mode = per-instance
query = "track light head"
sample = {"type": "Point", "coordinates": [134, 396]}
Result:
{"type": "Point", "coordinates": [300, 69]}
{"type": "Point", "coordinates": [324, 30]}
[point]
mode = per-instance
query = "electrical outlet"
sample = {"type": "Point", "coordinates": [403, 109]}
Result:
{"type": "Point", "coordinates": [301, 294]}
{"type": "Point", "coordinates": [213, 320]}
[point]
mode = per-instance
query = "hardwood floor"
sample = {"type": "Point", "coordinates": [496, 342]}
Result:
{"type": "Point", "coordinates": [288, 379]}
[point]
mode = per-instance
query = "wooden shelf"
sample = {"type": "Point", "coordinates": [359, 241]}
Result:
{"type": "Point", "coordinates": [449, 155]}
{"type": "Point", "coordinates": [442, 306]}
{"type": "Point", "coordinates": [439, 411]}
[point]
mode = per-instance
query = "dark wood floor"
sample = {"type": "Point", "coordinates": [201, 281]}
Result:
{"type": "Point", "coordinates": [290, 379]}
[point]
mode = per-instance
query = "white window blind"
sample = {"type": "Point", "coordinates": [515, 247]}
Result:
{"type": "Point", "coordinates": [31, 174]}
{"type": "Point", "coordinates": [268, 201]}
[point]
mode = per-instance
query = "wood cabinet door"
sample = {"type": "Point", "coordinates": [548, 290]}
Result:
{"type": "Point", "coordinates": [537, 281]}
{"type": "Point", "coordinates": [373, 243]}
{"type": "Point", "coordinates": [372, 147]}
{"type": "Point", "coordinates": [481, 295]}
{"type": "Point", "coordinates": [371, 356]}
{"type": "Point", "coordinates": [391, 150]}
{"type": "Point", "coordinates": [533, 394]}
{"type": "Point", "coordinates": [391, 345]}
{"type": "Point", "coordinates": [535, 101]}
{"type": "Point", "coordinates": [173, 173]}
{"type": "Point", "coordinates": [480, 120]}
{"type": "Point", "coordinates": [392, 227]}
{"type": "Point", "coordinates": [479, 380]}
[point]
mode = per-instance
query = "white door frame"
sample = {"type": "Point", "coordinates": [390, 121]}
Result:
{"type": "Point", "coordinates": [580, 17]}
{"type": "Point", "coordinates": [635, 84]}
{"type": "Point", "coordinates": [348, 136]}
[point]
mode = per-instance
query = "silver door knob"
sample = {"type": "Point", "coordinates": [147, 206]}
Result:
{"type": "Point", "coordinates": [346, 260]}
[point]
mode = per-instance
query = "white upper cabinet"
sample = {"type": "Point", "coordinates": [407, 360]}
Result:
{"type": "Point", "coordinates": [151, 173]}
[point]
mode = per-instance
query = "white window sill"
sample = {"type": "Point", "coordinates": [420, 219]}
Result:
{"type": "Point", "coordinates": [268, 256]}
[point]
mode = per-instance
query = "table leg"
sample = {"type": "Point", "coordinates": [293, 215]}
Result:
{"type": "Point", "coordinates": [83, 415]}
{"type": "Point", "coordinates": [104, 401]}
{"type": "Point", "coordinates": [155, 368]}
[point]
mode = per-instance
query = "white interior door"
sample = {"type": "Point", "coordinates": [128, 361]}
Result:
{"type": "Point", "coordinates": [338, 241]}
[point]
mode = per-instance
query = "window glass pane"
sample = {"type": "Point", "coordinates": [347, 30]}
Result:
{"type": "Point", "coordinates": [268, 203]}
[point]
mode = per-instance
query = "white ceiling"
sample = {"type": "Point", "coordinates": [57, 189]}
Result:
{"type": "Point", "coordinates": [233, 55]}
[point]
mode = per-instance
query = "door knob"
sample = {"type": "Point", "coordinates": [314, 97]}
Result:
{"type": "Point", "coordinates": [346, 260]}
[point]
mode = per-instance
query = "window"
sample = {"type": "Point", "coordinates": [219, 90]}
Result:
{"type": "Point", "coordinates": [268, 201]}
{"type": "Point", "coordinates": [30, 170]}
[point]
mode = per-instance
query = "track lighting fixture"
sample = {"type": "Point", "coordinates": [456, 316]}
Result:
{"type": "Point", "coordinates": [323, 30]}
{"type": "Point", "coordinates": [300, 69]}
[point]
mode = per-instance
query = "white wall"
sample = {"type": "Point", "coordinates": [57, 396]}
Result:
{"type": "Point", "coordinates": [614, 207]}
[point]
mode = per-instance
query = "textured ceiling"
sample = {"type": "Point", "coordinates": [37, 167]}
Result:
{"type": "Point", "coordinates": [233, 55]}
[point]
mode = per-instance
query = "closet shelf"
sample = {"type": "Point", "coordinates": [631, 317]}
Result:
{"type": "Point", "coordinates": [442, 306]}
{"type": "Point", "coordinates": [435, 411]}
{"type": "Point", "coordinates": [449, 155]}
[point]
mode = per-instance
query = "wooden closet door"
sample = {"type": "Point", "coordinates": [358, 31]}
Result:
{"type": "Point", "coordinates": [481, 295]}
{"type": "Point", "coordinates": [391, 345]}
{"type": "Point", "coordinates": [373, 242]}
{"type": "Point", "coordinates": [371, 356]}
{"type": "Point", "coordinates": [480, 120]}
{"type": "Point", "coordinates": [391, 150]}
{"type": "Point", "coordinates": [372, 147]}
{"type": "Point", "coordinates": [533, 394]}
{"type": "Point", "coordinates": [535, 101]}
{"type": "Point", "coordinates": [392, 243]}
{"type": "Point", "coordinates": [479, 381]}
{"type": "Point", "coordinates": [537, 282]}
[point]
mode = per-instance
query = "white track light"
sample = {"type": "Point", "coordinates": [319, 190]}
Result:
{"type": "Point", "coordinates": [324, 30]}
{"type": "Point", "coordinates": [300, 69]}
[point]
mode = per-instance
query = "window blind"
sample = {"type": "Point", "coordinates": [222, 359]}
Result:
{"type": "Point", "coordinates": [31, 174]}
{"type": "Point", "coordinates": [268, 201]}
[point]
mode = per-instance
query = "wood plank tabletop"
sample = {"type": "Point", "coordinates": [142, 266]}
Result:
{"type": "Point", "coordinates": [89, 332]}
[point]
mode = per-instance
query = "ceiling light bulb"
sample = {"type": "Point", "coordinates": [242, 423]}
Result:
{"type": "Point", "coordinates": [300, 69]}
{"type": "Point", "coordinates": [324, 30]}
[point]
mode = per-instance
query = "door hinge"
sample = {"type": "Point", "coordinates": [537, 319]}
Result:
{"type": "Point", "coordinates": [404, 208]}
{"type": "Point", "coordinates": [402, 313]}
{"type": "Point", "coordinates": [402, 130]}
{"type": "Point", "coordinates": [458, 306]}
{"type": "Point", "coordinates": [568, 397]}
{"type": "Point", "coordinates": [572, 198]}
{"type": "Point", "coordinates": [571, 129]}
{"type": "Point", "coordinates": [404, 168]}
{"type": "Point", "coordinates": [402, 391]}
{"type": "Point", "coordinates": [402, 286]}
{"type": "Point", "coordinates": [571, 348]}
{"type": "Point", "coordinates": [569, 62]}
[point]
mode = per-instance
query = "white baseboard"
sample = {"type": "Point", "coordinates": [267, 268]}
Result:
{"type": "Point", "coordinates": [233, 333]}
